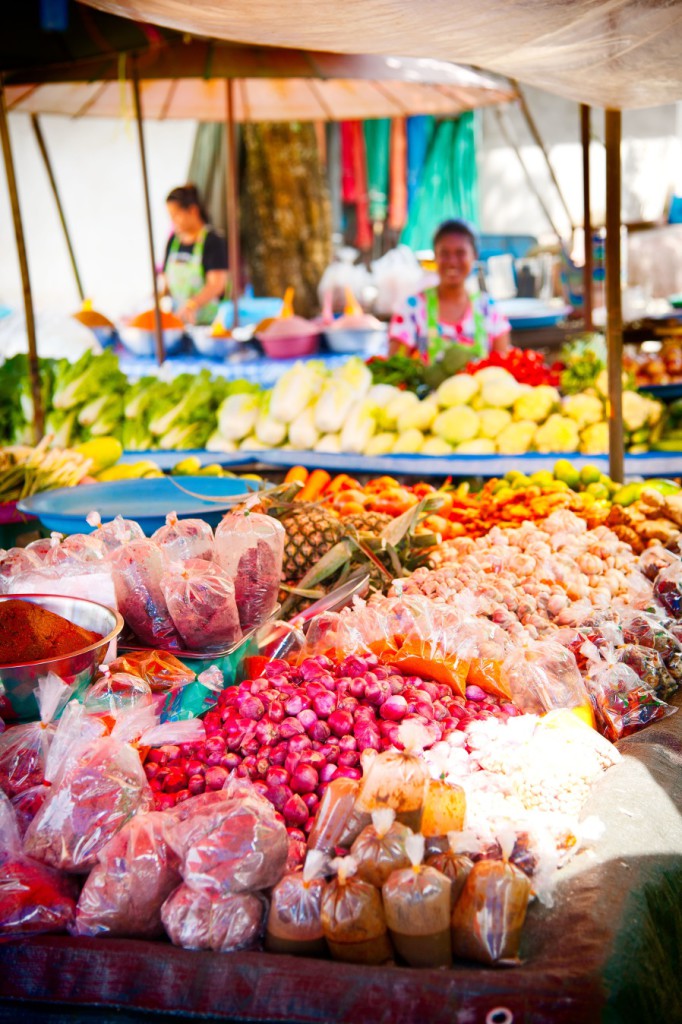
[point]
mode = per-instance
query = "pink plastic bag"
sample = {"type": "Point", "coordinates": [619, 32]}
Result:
{"type": "Point", "coordinates": [33, 898]}
{"type": "Point", "coordinates": [136, 873]}
{"type": "Point", "coordinates": [250, 548]}
{"type": "Point", "coordinates": [138, 569]}
{"type": "Point", "coordinates": [231, 841]}
{"type": "Point", "coordinates": [93, 796]}
{"type": "Point", "coordinates": [23, 748]}
{"type": "Point", "coordinates": [196, 920]}
{"type": "Point", "coordinates": [117, 533]}
{"type": "Point", "coordinates": [182, 539]}
{"type": "Point", "coordinates": [201, 601]}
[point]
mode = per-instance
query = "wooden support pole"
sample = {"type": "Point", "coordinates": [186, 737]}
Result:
{"type": "Point", "coordinates": [508, 136]}
{"type": "Point", "coordinates": [587, 216]}
{"type": "Point", "coordinates": [33, 365]}
{"type": "Point", "coordinates": [158, 330]}
{"type": "Point", "coordinates": [614, 311]}
{"type": "Point", "coordinates": [40, 139]}
{"type": "Point", "coordinates": [535, 132]}
{"type": "Point", "coordinates": [232, 182]}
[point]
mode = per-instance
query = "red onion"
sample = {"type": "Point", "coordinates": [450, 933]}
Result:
{"type": "Point", "coordinates": [307, 718]}
{"type": "Point", "coordinates": [394, 708]}
{"type": "Point", "coordinates": [267, 732]}
{"type": "Point", "coordinates": [348, 773]}
{"type": "Point", "coordinates": [324, 703]}
{"type": "Point", "coordinates": [276, 711]}
{"type": "Point", "coordinates": [327, 773]}
{"type": "Point", "coordinates": [319, 731]}
{"type": "Point", "coordinates": [276, 667]}
{"type": "Point", "coordinates": [276, 776]}
{"type": "Point", "coordinates": [291, 761]}
{"type": "Point", "coordinates": [278, 795]}
{"type": "Point", "coordinates": [304, 779]}
{"type": "Point", "coordinates": [290, 727]}
{"type": "Point", "coordinates": [297, 744]}
{"type": "Point", "coordinates": [216, 777]}
{"type": "Point", "coordinates": [295, 811]}
{"type": "Point", "coordinates": [330, 751]}
{"type": "Point", "coordinates": [296, 703]}
{"type": "Point", "coordinates": [475, 693]}
{"type": "Point", "coordinates": [340, 722]}
{"type": "Point", "coordinates": [252, 707]}
{"type": "Point", "coordinates": [396, 683]}
{"type": "Point", "coordinates": [311, 800]}
{"type": "Point", "coordinates": [348, 743]}
{"type": "Point", "coordinates": [348, 703]}
{"type": "Point", "coordinates": [231, 761]}
{"type": "Point", "coordinates": [357, 687]}
{"type": "Point", "coordinates": [279, 753]}
{"type": "Point", "coordinates": [349, 758]}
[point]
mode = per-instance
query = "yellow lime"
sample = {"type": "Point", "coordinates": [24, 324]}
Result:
{"type": "Point", "coordinates": [590, 475]}
{"type": "Point", "coordinates": [567, 473]}
{"type": "Point", "coordinates": [599, 490]}
{"type": "Point", "coordinates": [213, 469]}
{"type": "Point", "coordinates": [104, 452]}
{"type": "Point", "coordinates": [542, 477]}
{"type": "Point", "coordinates": [627, 495]}
{"type": "Point", "coordinates": [187, 467]}
{"type": "Point", "coordinates": [513, 475]}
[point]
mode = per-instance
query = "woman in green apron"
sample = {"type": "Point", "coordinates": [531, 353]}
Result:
{"type": "Point", "coordinates": [448, 317]}
{"type": "Point", "coordinates": [195, 267]}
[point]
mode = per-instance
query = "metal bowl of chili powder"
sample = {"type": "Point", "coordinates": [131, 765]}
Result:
{"type": "Point", "coordinates": [18, 682]}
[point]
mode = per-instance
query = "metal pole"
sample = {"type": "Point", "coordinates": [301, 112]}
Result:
{"type": "Point", "coordinates": [614, 312]}
{"type": "Point", "coordinates": [587, 216]}
{"type": "Point", "coordinates": [38, 132]}
{"type": "Point", "coordinates": [158, 330]}
{"type": "Point", "coordinates": [535, 132]}
{"type": "Point", "coordinates": [33, 365]}
{"type": "Point", "coordinates": [503, 122]}
{"type": "Point", "coordinates": [232, 182]}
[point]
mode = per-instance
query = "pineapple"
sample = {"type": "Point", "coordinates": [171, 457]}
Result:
{"type": "Point", "coordinates": [368, 522]}
{"type": "Point", "coordinates": [311, 532]}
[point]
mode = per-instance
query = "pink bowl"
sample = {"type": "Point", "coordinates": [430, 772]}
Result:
{"type": "Point", "coordinates": [290, 347]}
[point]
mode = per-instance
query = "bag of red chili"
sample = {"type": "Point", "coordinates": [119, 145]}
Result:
{"type": "Point", "coordinates": [23, 748]}
{"type": "Point", "coordinates": [33, 898]}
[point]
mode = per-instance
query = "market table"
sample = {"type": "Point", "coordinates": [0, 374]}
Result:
{"type": "Point", "coordinates": [609, 950]}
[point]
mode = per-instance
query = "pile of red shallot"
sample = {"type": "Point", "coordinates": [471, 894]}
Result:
{"type": "Point", "coordinates": [296, 728]}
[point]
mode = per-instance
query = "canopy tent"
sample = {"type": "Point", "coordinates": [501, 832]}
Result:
{"type": "Point", "coordinates": [609, 53]}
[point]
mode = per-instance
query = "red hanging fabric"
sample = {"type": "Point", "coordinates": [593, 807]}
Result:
{"type": "Point", "coordinates": [397, 201]}
{"type": "Point", "coordinates": [354, 179]}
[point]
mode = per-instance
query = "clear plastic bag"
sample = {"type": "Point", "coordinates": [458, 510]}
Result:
{"type": "Point", "coordinates": [161, 669]}
{"type": "Point", "coordinates": [250, 548]}
{"type": "Point", "coordinates": [23, 748]}
{"type": "Point", "coordinates": [654, 559]}
{"type": "Point", "coordinates": [77, 552]}
{"type": "Point", "coordinates": [138, 569]}
{"type": "Point", "coordinates": [380, 848]}
{"type": "Point", "coordinates": [136, 872]}
{"type": "Point", "coordinates": [649, 666]}
{"type": "Point", "coordinates": [116, 691]}
{"type": "Point", "coordinates": [201, 600]}
{"type": "Point", "coordinates": [94, 795]}
{"type": "Point", "coordinates": [353, 918]}
{"type": "Point", "coordinates": [444, 809]}
{"type": "Point", "coordinates": [668, 589]}
{"type": "Point", "coordinates": [231, 842]}
{"type": "Point", "coordinates": [197, 920]}
{"type": "Point", "coordinates": [115, 534]}
{"type": "Point", "coordinates": [483, 647]}
{"type": "Point", "coordinates": [333, 814]}
{"type": "Point", "coordinates": [33, 898]}
{"type": "Point", "coordinates": [182, 539]}
{"type": "Point", "coordinates": [544, 675]}
{"type": "Point", "coordinates": [397, 779]}
{"type": "Point", "coordinates": [454, 864]}
{"type": "Point", "coordinates": [13, 563]}
{"type": "Point", "coordinates": [488, 917]}
{"type": "Point", "coordinates": [418, 905]}
{"type": "Point", "coordinates": [622, 702]}
{"type": "Point", "coordinates": [27, 804]}
{"type": "Point", "coordinates": [294, 921]}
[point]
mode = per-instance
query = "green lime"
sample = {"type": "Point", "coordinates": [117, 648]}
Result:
{"type": "Point", "coordinates": [590, 475]}
{"type": "Point", "coordinates": [520, 483]}
{"type": "Point", "coordinates": [513, 475]}
{"type": "Point", "coordinates": [542, 477]}
{"type": "Point", "coordinates": [627, 495]}
{"type": "Point", "coordinates": [566, 471]}
{"type": "Point", "coordinates": [599, 490]}
{"type": "Point", "coordinates": [187, 467]}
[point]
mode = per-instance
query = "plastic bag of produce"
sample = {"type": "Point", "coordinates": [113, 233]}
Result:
{"type": "Point", "coordinates": [622, 702]}
{"type": "Point", "coordinates": [95, 793]}
{"type": "Point", "coordinates": [380, 848]}
{"type": "Point", "coordinates": [648, 631]}
{"type": "Point", "coordinates": [79, 551]}
{"type": "Point", "coordinates": [654, 559]}
{"type": "Point", "coordinates": [27, 804]}
{"type": "Point", "coordinates": [33, 898]}
{"type": "Point", "coordinates": [543, 675]}
{"type": "Point", "coordinates": [650, 667]}
{"type": "Point", "coordinates": [333, 815]}
{"type": "Point", "coordinates": [136, 872]}
{"type": "Point", "coordinates": [115, 534]}
{"type": "Point", "coordinates": [138, 570]}
{"type": "Point", "coordinates": [489, 915]}
{"type": "Point", "coordinates": [15, 562]}
{"type": "Point", "coordinates": [231, 841]}
{"type": "Point", "coordinates": [23, 748]}
{"type": "Point", "coordinates": [398, 779]}
{"type": "Point", "coordinates": [418, 904]}
{"type": "Point", "coordinates": [444, 809]}
{"type": "Point", "coordinates": [197, 920]}
{"type": "Point", "coordinates": [201, 601]}
{"type": "Point", "coordinates": [294, 923]}
{"type": "Point", "coordinates": [482, 647]}
{"type": "Point", "coordinates": [668, 589]}
{"type": "Point", "coordinates": [182, 539]}
{"type": "Point", "coordinates": [116, 691]}
{"type": "Point", "coordinates": [250, 548]}
{"type": "Point", "coordinates": [161, 669]}
{"type": "Point", "coordinates": [454, 863]}
{"type": "Point", "coordinates": [353, 918]}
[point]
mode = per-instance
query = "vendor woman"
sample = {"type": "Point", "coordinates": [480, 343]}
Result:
{"type": "Point", "coordinates": [448, 315]}
{"type": "Point", "coordinates": [195, 267]}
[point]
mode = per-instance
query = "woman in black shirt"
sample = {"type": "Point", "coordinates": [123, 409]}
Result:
{"type": "Point", "coordinates": [195, 265]}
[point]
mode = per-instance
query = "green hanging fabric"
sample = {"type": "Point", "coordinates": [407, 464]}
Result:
{"type": "Point", "coordinates": [378, 147]}
{"type": "Point", "coordinates": [449, 182]}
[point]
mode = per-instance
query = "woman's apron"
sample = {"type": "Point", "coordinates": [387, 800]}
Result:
{"type": "Point", "coordinates": [434, 345]}
{"type": "Point", "coordinates": [185, 277]}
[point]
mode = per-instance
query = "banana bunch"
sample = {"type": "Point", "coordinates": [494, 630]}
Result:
{"type": "Point", "coordinates": [25, 470]}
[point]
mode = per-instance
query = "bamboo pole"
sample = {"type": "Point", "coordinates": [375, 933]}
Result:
{"type": "Point", "coordinates": [614, 312]}
{"type": "Point", "coordinates": [535, 132]}
{"type": "Point", "coordinates": [33, 365]}
{"type": "Point", "coordinates": [40, 139]}
{"type": "Point", "coordinates": [158, 330]}
{"type": "Point", "coordinates": [507, 134]}
{"type": "Point", "coordinates": [232, 183]}
{"type": "Point", "coordinates": [587, 216]}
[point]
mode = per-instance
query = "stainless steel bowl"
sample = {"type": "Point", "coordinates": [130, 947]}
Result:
{"type": "Point", "coordinates": [143, 343]}
{"type": "Point", "coordinates": [18, 683]}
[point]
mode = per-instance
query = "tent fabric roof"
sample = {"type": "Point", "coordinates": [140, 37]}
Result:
{"type": "Point", "coordinates": [609, 53]}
